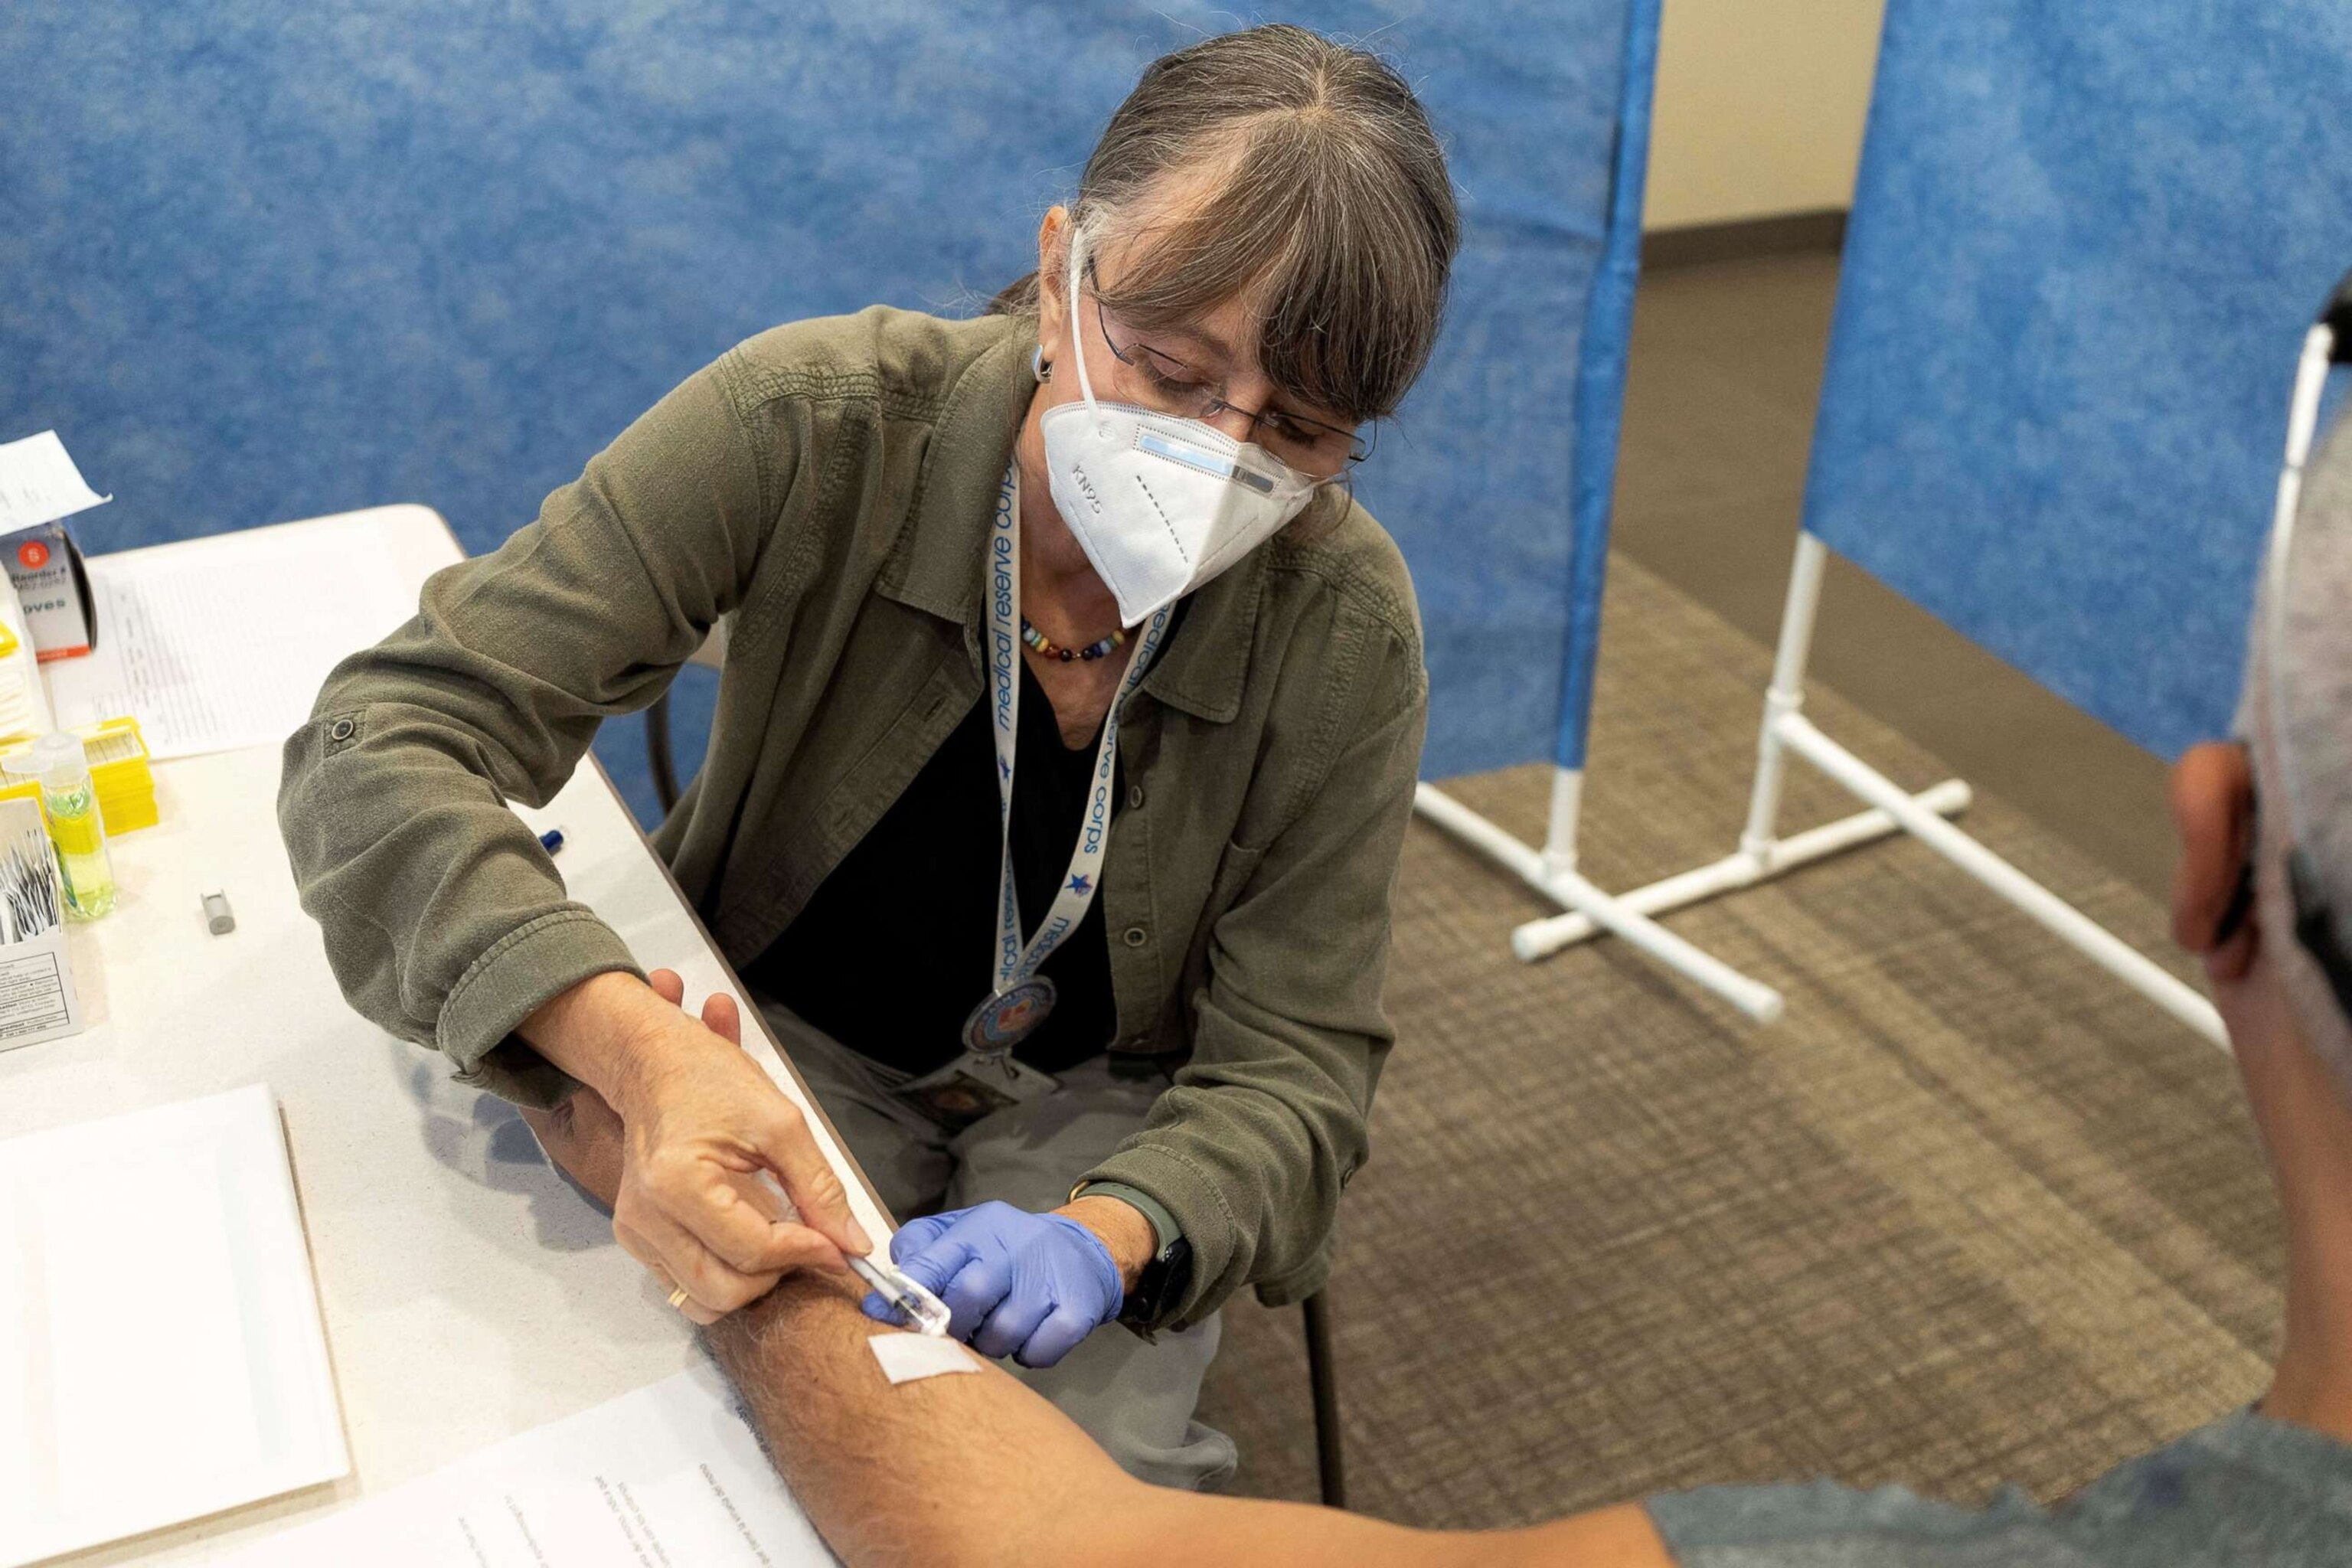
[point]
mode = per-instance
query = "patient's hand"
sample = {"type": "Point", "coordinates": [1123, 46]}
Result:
{"type": "Point", "coordinates": [582, 1136]}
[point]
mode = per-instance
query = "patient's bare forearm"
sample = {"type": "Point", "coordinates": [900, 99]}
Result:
{"type": "Point", "coordinates": [955, 1469]}
{"type": "Point", "coordinates": [980, 1470]}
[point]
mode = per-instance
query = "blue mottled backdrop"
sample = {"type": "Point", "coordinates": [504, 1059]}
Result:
{"type": "Point", "coordinates": [261, 261]}
{"type": "Point", "coordinates": [2086, 244]}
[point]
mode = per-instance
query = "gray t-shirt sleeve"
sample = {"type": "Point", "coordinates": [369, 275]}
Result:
{"type": "Point", "coordinates": [1821, 1524]}
{"type": "Point", "coordinates": [2243, 1490]}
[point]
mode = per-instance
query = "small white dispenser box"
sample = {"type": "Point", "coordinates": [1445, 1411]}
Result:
{"type": "Point", "coordinates": [37, 989]}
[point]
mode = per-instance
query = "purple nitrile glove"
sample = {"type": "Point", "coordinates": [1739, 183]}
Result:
{"type": "Point", "coordinates": [1030, 1286]}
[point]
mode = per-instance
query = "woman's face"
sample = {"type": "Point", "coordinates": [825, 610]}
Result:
{"type": "Point", "coordinates": [1204, 369]}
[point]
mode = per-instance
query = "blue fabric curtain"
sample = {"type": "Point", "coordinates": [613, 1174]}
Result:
{"type": "Point", "coordinates": [2086, 244]}
{"type": "Point", "coordinates": [263, 261]}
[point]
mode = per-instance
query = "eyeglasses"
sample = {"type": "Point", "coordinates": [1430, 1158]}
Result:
{"type": "Point", "coordinates": [1316, 449]}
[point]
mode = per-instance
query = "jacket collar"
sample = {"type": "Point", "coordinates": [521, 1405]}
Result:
{"type": "Point", "coordinates": [936, 563]}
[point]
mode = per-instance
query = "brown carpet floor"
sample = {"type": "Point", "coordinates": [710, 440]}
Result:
{"type": "Point", "coordinates": [1970, 1213]}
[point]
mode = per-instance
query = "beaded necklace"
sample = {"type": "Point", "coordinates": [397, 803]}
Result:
{"type": "Point", "coordinates": [1052, 650]}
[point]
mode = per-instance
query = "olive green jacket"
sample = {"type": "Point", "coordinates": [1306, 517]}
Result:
{"type": "Point", "coordinates": [825, 490]}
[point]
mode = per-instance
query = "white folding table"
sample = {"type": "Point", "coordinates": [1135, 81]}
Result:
{"type": "Point", "coordinates": [470, 1292]}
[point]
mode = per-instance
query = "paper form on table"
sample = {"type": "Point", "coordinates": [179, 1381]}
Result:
{"type": "Point", "coordinates": [38, 483]}
{"type": "Point", "coordinates": [225, 644]}
{"type": "Point", "coordinates": [668, 1474]}
{"type": "Point", "coordinates": [161, 1356]}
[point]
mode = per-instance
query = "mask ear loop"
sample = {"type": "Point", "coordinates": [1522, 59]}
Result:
{"type": "Point", "coordinates": [1077, 332]}
{"type": "Point", "coordinates": [2303, 418]}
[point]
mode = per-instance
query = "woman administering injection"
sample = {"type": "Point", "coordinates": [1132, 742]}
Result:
{"type": "Point", "coordinates": [1063, 752]}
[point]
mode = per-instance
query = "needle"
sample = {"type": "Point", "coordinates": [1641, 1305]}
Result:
{"type": "Point", "coordinates": [924, 1312]}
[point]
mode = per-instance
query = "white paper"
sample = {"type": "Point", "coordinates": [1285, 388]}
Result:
{"type": "Point", "coordinates": [910, 1358]}
{"type": "Point", "coordinates": [38, 483]}
{"type": "Point", "coordinates": [668, 1475]}
{"type": "Point", "coordinates": [161, 1355]}
{"type": "Point", "coordinates": [226, 644]}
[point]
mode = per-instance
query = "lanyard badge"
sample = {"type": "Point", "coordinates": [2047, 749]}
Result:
{"type": "Point", "coordinates": [1020, 998]}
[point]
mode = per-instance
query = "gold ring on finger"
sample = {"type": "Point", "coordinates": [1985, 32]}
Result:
{"type": "Point", "coordinates": [677, 1297]}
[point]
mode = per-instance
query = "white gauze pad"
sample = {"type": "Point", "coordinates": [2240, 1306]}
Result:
{"type": "Point", "coordinates": [910, 1358]}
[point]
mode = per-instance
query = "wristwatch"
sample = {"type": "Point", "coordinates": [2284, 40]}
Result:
{"type": "Point", "coordinates": [1160, 1286]}
{"type": "Point", "coordinates": [1162, 1280]}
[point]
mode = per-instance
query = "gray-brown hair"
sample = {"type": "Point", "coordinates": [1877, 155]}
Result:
{"type": "Point", "coordinates": [2298, 701]}
{"type": "Point", "coordinates": [1329, 211]}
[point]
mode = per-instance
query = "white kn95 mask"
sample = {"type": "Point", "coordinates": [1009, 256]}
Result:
{"type": "Point", "coordinates": [1160, 503]}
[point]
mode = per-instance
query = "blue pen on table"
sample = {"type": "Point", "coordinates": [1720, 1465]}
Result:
{"type": "Point", "coordinates": [552, 840]}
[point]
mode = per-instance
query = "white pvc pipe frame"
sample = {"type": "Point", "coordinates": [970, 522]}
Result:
{"type": "Point", "coordinates": [1762, 853]}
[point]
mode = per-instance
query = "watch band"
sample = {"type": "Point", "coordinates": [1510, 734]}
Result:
{"type": "Point", "coordinates": [1164, 1228]}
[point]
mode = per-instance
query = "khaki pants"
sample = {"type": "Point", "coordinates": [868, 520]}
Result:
{"type": "Point", "coordinates": [1134, 1398]}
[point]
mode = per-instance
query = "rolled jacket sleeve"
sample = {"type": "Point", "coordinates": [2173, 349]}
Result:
{"type": "Point", "coordinates": [444, 919]}
{"type": "Point", "coordinates": [1265, 1123]}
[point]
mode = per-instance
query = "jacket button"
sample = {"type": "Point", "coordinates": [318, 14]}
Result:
{"type": "Point", "coordinates": [340, 729]}
{"type": "Point", "coordinates": [1134, 795]}
{"type": "Point", "coordinates": [1134, 936]}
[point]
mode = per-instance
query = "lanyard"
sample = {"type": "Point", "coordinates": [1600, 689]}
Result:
{"type": "Point", "coordinates": [1016, 963]}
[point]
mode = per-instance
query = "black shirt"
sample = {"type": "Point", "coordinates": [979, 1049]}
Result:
{"type": "Point", "coordinates": [898, 946]}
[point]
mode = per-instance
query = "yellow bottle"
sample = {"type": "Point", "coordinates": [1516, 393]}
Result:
{"type": "Point", "coordinates": [69, 805]}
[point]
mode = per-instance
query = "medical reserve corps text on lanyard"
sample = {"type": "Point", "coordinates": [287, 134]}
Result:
{"type": "Point", "coordinates": [1022, 997]}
